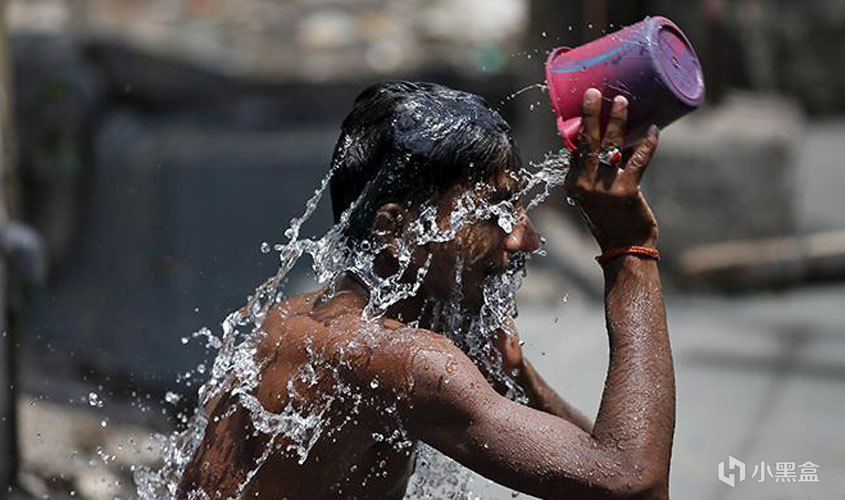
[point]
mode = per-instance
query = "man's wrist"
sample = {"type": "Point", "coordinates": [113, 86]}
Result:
{"type": "Point", "coordinates": [628, 265]}
{"type": "Point", "coordinates": [641, 252]}
{"type": "Point", "coordinates": [650, 242]}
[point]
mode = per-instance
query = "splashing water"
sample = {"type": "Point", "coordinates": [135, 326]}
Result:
{"type": "Point", "coordinates": [236, 370]}
{"type": "Point", "coordinates": [541, 87]}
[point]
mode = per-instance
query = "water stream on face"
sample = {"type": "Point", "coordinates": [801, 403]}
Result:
{"type": "Point", "coordinates": [303, 422]}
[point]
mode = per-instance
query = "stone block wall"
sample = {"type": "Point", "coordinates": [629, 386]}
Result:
{"type": "Point", "coordinates": [726, 173]}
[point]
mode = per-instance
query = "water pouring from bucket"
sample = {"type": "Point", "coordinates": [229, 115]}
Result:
{"type": "Point", "coordinates": [651, 63]}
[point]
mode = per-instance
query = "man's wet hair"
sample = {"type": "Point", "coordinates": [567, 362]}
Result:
{"type": "Point", "coordinates": [409, 142]}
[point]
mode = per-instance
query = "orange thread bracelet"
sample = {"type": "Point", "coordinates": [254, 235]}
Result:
{"type": "Point", "coordinates": [613, 253]}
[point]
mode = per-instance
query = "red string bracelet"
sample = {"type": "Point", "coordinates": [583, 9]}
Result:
{"type": "Point", "coordinates": [613, 253]}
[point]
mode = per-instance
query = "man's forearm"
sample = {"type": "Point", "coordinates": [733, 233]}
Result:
{"type": "Point", "coordinates": [637, 413]}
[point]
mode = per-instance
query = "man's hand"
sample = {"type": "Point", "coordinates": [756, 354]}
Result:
{"type": "Point", "coordinates": [609, 196]}
{"type": "Point", "coordinates": [509, 347]}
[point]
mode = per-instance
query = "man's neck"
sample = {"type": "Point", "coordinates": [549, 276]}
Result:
{"type": "Point", "coordinates": [418, 309]}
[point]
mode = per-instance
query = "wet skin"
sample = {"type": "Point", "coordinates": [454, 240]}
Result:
{"type": "Point", "coordinates": [431, 389]}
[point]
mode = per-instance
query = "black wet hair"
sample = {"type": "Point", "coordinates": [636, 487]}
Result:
{"type": "Point", "coordinates": [408, 142]}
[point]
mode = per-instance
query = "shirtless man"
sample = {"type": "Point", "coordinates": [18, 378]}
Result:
{"type": "Point", "coordinates": [381, 378]}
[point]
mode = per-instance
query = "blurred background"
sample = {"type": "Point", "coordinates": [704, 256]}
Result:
{"type": "Point", "coordinates": [149, 148]}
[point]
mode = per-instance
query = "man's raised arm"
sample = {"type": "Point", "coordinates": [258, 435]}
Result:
{"type": "Point", "coordinates": [640, 382]}
{"type": "Point", "coordinates": [627, 454]}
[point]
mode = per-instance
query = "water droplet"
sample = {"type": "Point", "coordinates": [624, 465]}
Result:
{"type": "Point", "coordinates": [265, 247]}
{"type": "Point", "coordinates": [374, 384]}
{"type": "Point", "coordinates": [94, 400]}
{"type": "Point", "coordinates": [172, 397]}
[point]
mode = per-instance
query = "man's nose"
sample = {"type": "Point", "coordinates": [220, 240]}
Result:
{"type": "Point", "coordinates": [524, 237]}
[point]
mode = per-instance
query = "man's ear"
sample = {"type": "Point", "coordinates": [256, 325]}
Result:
{"type": "Point", "coordinates": [390, 221]}
{"type": "Point", "coordinates": [388, 227]}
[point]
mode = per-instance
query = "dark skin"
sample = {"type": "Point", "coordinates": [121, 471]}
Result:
{"type": "Point", "coordinates": [429, 388]}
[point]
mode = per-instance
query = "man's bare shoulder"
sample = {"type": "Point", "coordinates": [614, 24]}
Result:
{"type": "Point", "coordinates": [422, 372]}
{"type": "Point", "coordinates": [384, 353]}
{"type": "Point", "coordinates": [427, 371]}
{"type": "Point", "coordinates": [338, 334]}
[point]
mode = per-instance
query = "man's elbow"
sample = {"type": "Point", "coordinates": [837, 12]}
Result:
{"type": "Point", "coordinates": [638, 483]}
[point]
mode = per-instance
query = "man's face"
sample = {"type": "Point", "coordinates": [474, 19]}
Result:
{"type": "Point", "coordinates": [482, 247]}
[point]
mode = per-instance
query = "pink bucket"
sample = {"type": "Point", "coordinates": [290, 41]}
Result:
{"type": "Point", "coordinates": [651, 63]}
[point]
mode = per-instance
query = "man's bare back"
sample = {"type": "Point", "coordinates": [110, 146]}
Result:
{"type": "Point", "coordinates": [363, 451]}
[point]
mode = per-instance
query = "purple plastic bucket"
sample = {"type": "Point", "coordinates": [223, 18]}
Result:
{"type": "Point", "coordinates": [651, 63]}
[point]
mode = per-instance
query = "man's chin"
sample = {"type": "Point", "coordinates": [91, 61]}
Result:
{"type": "Point", "coordinates": [494, 278]}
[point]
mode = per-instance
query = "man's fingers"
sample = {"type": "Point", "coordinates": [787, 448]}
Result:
{"type": "Point", "coordinates": [641, 158]}
{"type": "Point", "coordinates": [590, 112]}
{"type": "Point", "coordinates": [614, 137]}
{"type": "Point", "coordinates": [590, 134]}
